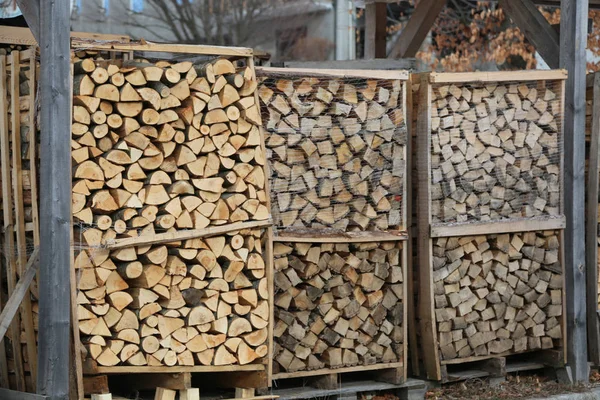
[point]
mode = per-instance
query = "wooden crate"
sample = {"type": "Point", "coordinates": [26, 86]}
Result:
{"type": "Point", "coordinates": [481, 138]}
{"type": "Point", "coordinates": [230, 227]}
{"type": "Point", "coordinates": [592, 135]}
{"type": "Point", "coordinates": [323, 129]}
{"type": "Point", "coordinates": [340, 306]}
{"type": "Point", "coordinates": [337, 145]}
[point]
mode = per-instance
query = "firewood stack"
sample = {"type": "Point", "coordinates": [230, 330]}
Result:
{"type": "Point", "coordinates": [495, 151]}
{"type": "Point", "coordinates": [196, 302]}
{"type": "Point", "coordinates": [497, 294]}
{"type": "Point", "coordinates": [337, 151]}
{"type": "Point", "coordinates": [160, 148]}
{"type": "Point", "coordinates": [337, 305]}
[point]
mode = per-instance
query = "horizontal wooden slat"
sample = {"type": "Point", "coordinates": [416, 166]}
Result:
{"type": "Point", "coordinates": [178, 369]}
{"type": "Point", "coordinates": [23, 36]}
{"type": "Point", "coordinates": [355, 237]}
{"type": "Point", "coordinates": [343, 73]}
{"type": "Point", "coordinates": [299, 374]}
{"type": "Point", "coordinates": [497, 76]}
{"type": "Point", "coordinates": [184, 235]}
{"type": "Point", "coordinates": [497, 227]}
{"type": "Point", "coordinates": [6, 394]}
{"type": "Point", "coordinates": [163, 48]}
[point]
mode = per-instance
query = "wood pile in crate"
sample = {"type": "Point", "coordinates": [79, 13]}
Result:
{"type": "Point", "coordinates": [338, 305]}
{"type": "Point", "coordinates": [20, 237]}
{"type": "Point", "coordinates": [336, 142]}
{"type": "Point", "coordinates": [169, 197]}
{"type": "Point", "coordinates": [490, 195]}
{"type": "Point", "coordinates": [337, 147]}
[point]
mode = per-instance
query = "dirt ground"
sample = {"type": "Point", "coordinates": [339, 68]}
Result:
{"type": "Point", "coordinates": [515, 387]}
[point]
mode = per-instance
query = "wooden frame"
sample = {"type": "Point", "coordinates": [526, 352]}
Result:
{"type": "Point", "coordinates": [427, 230]}
{"type": "Point", "coordinates": [264, 367]}
{"type": "Point", "coordinates": [591, 217]}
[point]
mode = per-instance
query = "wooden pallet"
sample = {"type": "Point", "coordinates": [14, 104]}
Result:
{"type": "Point", "coordinates": [431, 227]}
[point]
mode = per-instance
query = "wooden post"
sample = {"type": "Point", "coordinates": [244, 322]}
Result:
{"type": "Point", "coordinates": [375, 35]}
{"type": "Point", "coordinates": [573, 37]}
{"type": "Point", "coordinates": [55, 200]}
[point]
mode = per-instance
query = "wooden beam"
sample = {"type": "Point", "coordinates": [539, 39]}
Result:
{"type": "Point", "coordinates": [573, 40]}
{"type": "Point", "coordinates": [12, 305]}
{"type": "Point", "coordinates": [535, 27]}
{"type": "Point", "coordinates": [6, 394]}
{"type": "Point", "coordinates": [591, 220]}
{"type": "Point", "coordinates": [55, 200]}
{"type": "Point", "coordinates": [378, 64]}
{"type": "Point", "coordinates": [31, 12]}
{"type": "Point", "coordinates": [417, 28]}
{"type": "Point", "coordinates": [375, 34]}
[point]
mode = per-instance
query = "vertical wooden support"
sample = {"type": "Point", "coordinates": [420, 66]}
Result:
{"type": "Point", "coordinates": [426, 305]}
{"type": "Point", "coordinates": [375, 34]}
{"type": "Point", "coordinates": [269, 245]}
{"type": "Point", "coordinates": [8, 226]}
{"type": "Point", "coordinates": [33, 70]}
{"type": "Point", "coordinates": [573, 39]}
{"type": "Point", "coordinates": [27, 314]}
{"type": "Point", "coordinates": [55, 220]}
{"type": "Point", "coordinates": [591, 236]}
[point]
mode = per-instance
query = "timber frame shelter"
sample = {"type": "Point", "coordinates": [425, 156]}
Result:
{"type": "Point", "coordinates": [49, 22]}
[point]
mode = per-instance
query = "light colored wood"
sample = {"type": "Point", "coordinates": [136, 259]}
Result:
{"type": "Point", "coordinates": [347, 237]}
{"type": "Point", "coordinates": [177, 369]}
{"type": "Point", "coordinates": [299, 374]}
{"type": "Point", "coordinates": [497, 76]}
{"type": "Point", "coordinates": [471, 228]}
{"type": "Point", "coordinates": [367, 74]}
{"type": "Point", "coordinates": [183, 235]}
{"type": "Point", "coordinates": [79, 43]}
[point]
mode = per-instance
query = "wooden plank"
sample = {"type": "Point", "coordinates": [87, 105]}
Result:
{"type": "Point", "coordinates": [417, 28]}
{"type": "Point", "coordinates": [176, 369]}
{"type": "Point", "coordinates": [497, 76]}
{"type": "Point", "coordinates": [348, 73]}
{"type": "Point", "coordinates": [33, 158]}
{"type": "Point", "coordinates": [184, 235]}
{"type": "Point", "coordinates": [468, 229]}
{"type": "Point", "coordinates": [21, 289]}
{"type": "Point", "coordinates": [269, 239]}
{"type": "Point", "coordinates": [375, 32]}
{"type": "Point", "coordinates": [77, 43]}
{"type": "Point", "coordinates": [429, 344]}
{"type": "Point", "coordinates": [591, 221]}
{"type": "Point", "coordinates": [24, 36]}
{"type": "Point", "coordinates": [573, 39]}
{"type": "Point", "coordinates": [536, 29]}
{"type": "Point", "coordinates": [322, 236]}
{"type": "Point", "coordinates": [378, 64]}
{"type": "Point", "coordinates": [410, 298]}
{"type": "Point", "coordinates": [6, 394]}
{"type": "Point", "coordinates": [55, 192]}
{"type": "Point", "coordinates": [324, 371]}
{"type": "Point", "coordinates": [17, 179]}
{"type": "Point", "coordinates": [7, 209]}
{"type": "Point", "coordinates": [31, 12]}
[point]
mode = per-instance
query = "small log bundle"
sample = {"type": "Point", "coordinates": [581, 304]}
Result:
{"type": "Point", "coordinates": [495, 151]}
{"type": "Point", "coordinates": [338, 305]}
{"type": "Point", "coordinates": [159, 147]}
{"type": "Point", "coordinates": [498, 294]}
{"type": "Point", "coordinates": [197, 302]}
{"type": "Point", "coordinates": [337, 151]}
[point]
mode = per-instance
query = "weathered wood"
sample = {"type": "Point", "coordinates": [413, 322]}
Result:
{"type": "Point", "coordinates": [573, 36]}
{"type": "Point", "coordinates": [55, 200]}
{"type": "Point", "coordinates": [375, 30]}
{"type": "Point", "coordinates": [14, 395]}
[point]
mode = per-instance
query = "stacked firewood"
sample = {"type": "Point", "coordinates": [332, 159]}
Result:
{"type": "Point", "coordinates": [337, 151]}
{"type": "Point", "coordinates": [337, 305]}
{"type": "Point", "coordinates": [196, 302]}
{"type": "Point", "coordinates": [160, 146]}
{"type": "Point", "coordinates": [495, 151]}
{"type": "Point", "coordinates": [164, 147]}
{"type": "Point", "coordinates": [497, 294]}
